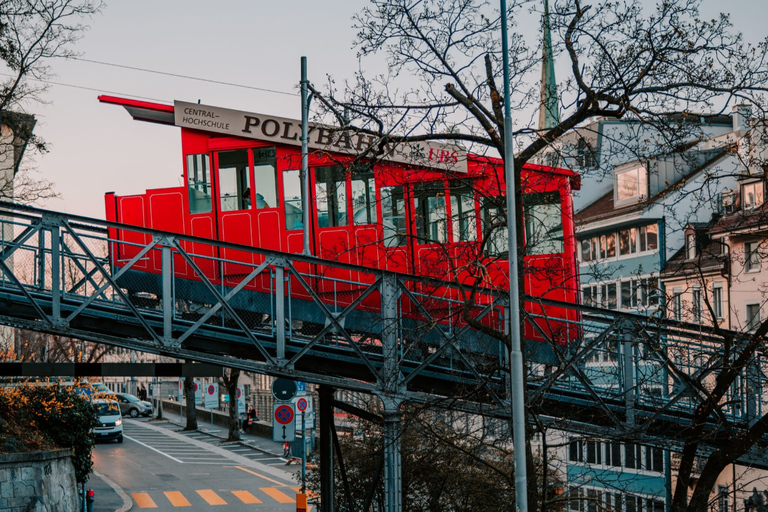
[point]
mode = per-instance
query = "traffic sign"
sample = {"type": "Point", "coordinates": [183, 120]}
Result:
{"type": "Point", "coordinates": [301, 404]}
{"type": "Point", "coordinates": [283, 389]}
{"type": "Point", "coordinates": [212, 396]}
{"type": "Point", "coordinates": [283, 424]}
{"type": "Point", "coordinates": [198, 393]}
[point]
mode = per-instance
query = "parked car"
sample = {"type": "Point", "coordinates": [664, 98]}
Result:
{"type": "Point", "coordinates": [131, 405]}
{"type": "Point", "coordinates": [110, 420]}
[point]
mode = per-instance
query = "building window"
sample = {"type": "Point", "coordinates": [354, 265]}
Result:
{"type": "Point", "coordinates": [717, 300]}
{"type": "Point", "coordinates": [586, 157]}
{"type": "Point", "coordinates": [589, 295]}
{"type": "Point", "coordinates": [627, 241]}
{"type": "Point", "coordinates": [752, 194]}
{"type": "Point", "coordinates": [753, 316]}
{"type": "Point", "coordinates": [631, 186]}
{"type": "Point", "coordinates": [696, 305]}
{"type": "Point", "coordinates": [677, 306]}
{"type": "Point", "coordinates": [576, 451]}
{"type": "Point", "coordinates": [690, 246]}
{"type": "Point", "coordinates": [722, 499]}
{"type": "Point", "coordinates": [639, 293]}
{"type": "Point", "coordinates": [649, 237]}
{"type": "Point", "coordinates": [608, 292]}
{"type": "Point", "coordinates": [751, 257]}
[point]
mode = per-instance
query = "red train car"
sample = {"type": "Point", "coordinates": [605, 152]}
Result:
{"type": "Point", "coordinates": [426, 210]}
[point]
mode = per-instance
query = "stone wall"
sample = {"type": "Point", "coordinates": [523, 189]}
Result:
{"type": "Point", "coordinates": [38, 482]}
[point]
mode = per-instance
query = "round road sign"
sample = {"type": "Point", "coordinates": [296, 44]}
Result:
{"type": "Point", "coordinates": [301, 404]}
{"type": "Point", "coordinates": [238, 393]}
{"type": "Point", "coordinates": [211, 389]}
{"type": "Point", "coordinates": [284, 414]}
{"type": "Point", "coordinates": [283, 389]}
{"type": "Point", "coordinates": [195, 386]}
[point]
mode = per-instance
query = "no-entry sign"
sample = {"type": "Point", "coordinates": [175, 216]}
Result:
{"type": "Point", "coordinates": [283, 424]}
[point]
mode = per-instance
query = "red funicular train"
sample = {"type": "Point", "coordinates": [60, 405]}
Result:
{"type": "Point", "coordinates": [424, 217]}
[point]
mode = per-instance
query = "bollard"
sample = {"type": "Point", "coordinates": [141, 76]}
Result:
{"type": "Point", "coordinates": [301, 502]}
{"type": "Point", "coordinates": [89, 497]}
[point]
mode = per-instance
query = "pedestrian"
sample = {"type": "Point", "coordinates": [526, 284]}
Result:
{"type": "Point", "coordinates": [143, 393]}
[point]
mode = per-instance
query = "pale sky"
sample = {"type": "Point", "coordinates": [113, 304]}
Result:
{"type": "Point", "coordinates": [96, 148]}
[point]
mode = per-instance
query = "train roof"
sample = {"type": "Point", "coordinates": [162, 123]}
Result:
{"type": "Point", "coordinates": [449, 157]}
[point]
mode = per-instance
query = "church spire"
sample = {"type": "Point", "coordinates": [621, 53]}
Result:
{"type": "Point", "coordinates": [549, 113]}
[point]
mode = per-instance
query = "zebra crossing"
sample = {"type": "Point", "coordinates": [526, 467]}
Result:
{"type": "Point", "coordinates": [193, 446]}
{"type": "Point", "coordinates": [202, 497]}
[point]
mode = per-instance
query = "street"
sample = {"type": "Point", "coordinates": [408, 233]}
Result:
{"type": "Point", "coordinates": [161, 467]}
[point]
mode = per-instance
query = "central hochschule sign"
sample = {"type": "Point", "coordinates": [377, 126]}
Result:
{"type": "Point", "coordinates": [323, 138]}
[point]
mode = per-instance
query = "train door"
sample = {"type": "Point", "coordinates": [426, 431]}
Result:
{"type": "Point", "coordinates": [202, 217]}
{"type": "Point", "coordinates": [430, 219]}
{"type": "Point", "coordinates": [394, 228]}
{"type": "Point", "coordinates": [332, 224]}
{"type": "Point", "coordinates": [234, 199]}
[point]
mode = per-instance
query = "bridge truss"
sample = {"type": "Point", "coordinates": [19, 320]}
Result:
{"type": "Point", "coordinates": [402, 338]}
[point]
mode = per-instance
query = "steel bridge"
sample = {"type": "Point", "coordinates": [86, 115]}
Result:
{"type": "Point", "coordinates": [399, 337]}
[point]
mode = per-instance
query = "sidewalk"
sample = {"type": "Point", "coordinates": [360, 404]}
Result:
{"type": "Point", "coordinates": [204, 424]}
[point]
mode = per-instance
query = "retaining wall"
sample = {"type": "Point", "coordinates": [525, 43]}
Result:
{"type": "Point", "coordinates": [38, 482]}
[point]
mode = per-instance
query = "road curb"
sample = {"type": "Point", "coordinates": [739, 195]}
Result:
{"type": "Point", "coordinates": [127, 502]}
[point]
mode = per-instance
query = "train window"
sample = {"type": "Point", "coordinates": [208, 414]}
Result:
{"type": "Point", "coordinates": [294, 211]}
{"type": "Point", "coordinates": [543, 223]}
{"type": "Point", "coordinates": [199, 183]}
{"type": "Point", "coordinates": [429, 202]}
{"type": "Point", "coordinates": [363, 197]}
{"type": "Point", "coordinates": [495, 227]}
{"type": "Point", "coordinates": [331, 196]}
{"type": "Point", "coordinates": [265, 177]}
{"type": "Point", "coordinates": [463, 219]}
{"type": "Point", "coordinates": [393, 216]}
{"type": "Point", "coordinates": [234, 181]}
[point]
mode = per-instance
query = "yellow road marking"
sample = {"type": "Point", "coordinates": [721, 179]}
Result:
{"type": "Point", "coordinates": [261, 476]}
{"type": "Point", "coordinates": [278, 496]}
{"type": "Point", "coordinates": [211, 497]}
{"type": "Point", "coordinates": [177, 499]}
{"type": "Point", "coordinates": [143, 500]}
{"type": "Point", "coordinates": [246, 497]}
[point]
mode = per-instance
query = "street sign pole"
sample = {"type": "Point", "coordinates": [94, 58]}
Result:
{"type": "Point", "coordinates": [303, 455]}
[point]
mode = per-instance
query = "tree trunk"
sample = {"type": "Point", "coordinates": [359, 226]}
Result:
{"type": "Point", "coordinates": [234, 417]}
{"type": "Point", "coordinates": [189, 391]}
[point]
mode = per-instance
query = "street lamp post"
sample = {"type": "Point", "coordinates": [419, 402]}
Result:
{"type": "Point", "coordinates": [516, 391]}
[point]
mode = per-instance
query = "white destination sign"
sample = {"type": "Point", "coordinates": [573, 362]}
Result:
{"type": "Point", "coordinates": [324, 138]}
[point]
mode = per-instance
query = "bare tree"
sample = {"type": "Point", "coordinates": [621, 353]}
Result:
{"type": "Point", "coordinates": [32, 33]}
{"type": "Point", "coordinates": [230, 384]}
{"type": "Point", "coordinates": [189, 392]}
{"type": "Point", "coordinates": [624, 61]}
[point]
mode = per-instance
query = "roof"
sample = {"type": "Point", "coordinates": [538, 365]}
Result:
{"type": "Point", "coordinates": [744, 222]}
{"type": "Point", "coordinates": [603, 208]}
{"type": "Point", "coordinates": [707, 260]}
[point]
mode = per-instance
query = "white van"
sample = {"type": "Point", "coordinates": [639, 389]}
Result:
{"type": "Point", "coordinates": [110, 420]}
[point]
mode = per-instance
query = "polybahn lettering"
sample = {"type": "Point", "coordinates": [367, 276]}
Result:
{"type": "Point", "coordinates": [624, 376]}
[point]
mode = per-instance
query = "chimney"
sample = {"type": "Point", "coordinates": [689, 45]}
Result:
{"type": "Point", "coordinates": [741, 114]}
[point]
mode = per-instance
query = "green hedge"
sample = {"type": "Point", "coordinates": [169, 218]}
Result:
{"type": "Point", "coordinates": [45, 417]}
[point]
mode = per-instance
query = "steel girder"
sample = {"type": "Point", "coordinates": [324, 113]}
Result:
{"type": "Point", "coordinates": [400, 337]}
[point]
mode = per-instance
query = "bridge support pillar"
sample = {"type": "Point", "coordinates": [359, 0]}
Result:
{"type": "Point", "coordinates": [393, 483]}
{"type": "Point", "coordinates": [326, 449]}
